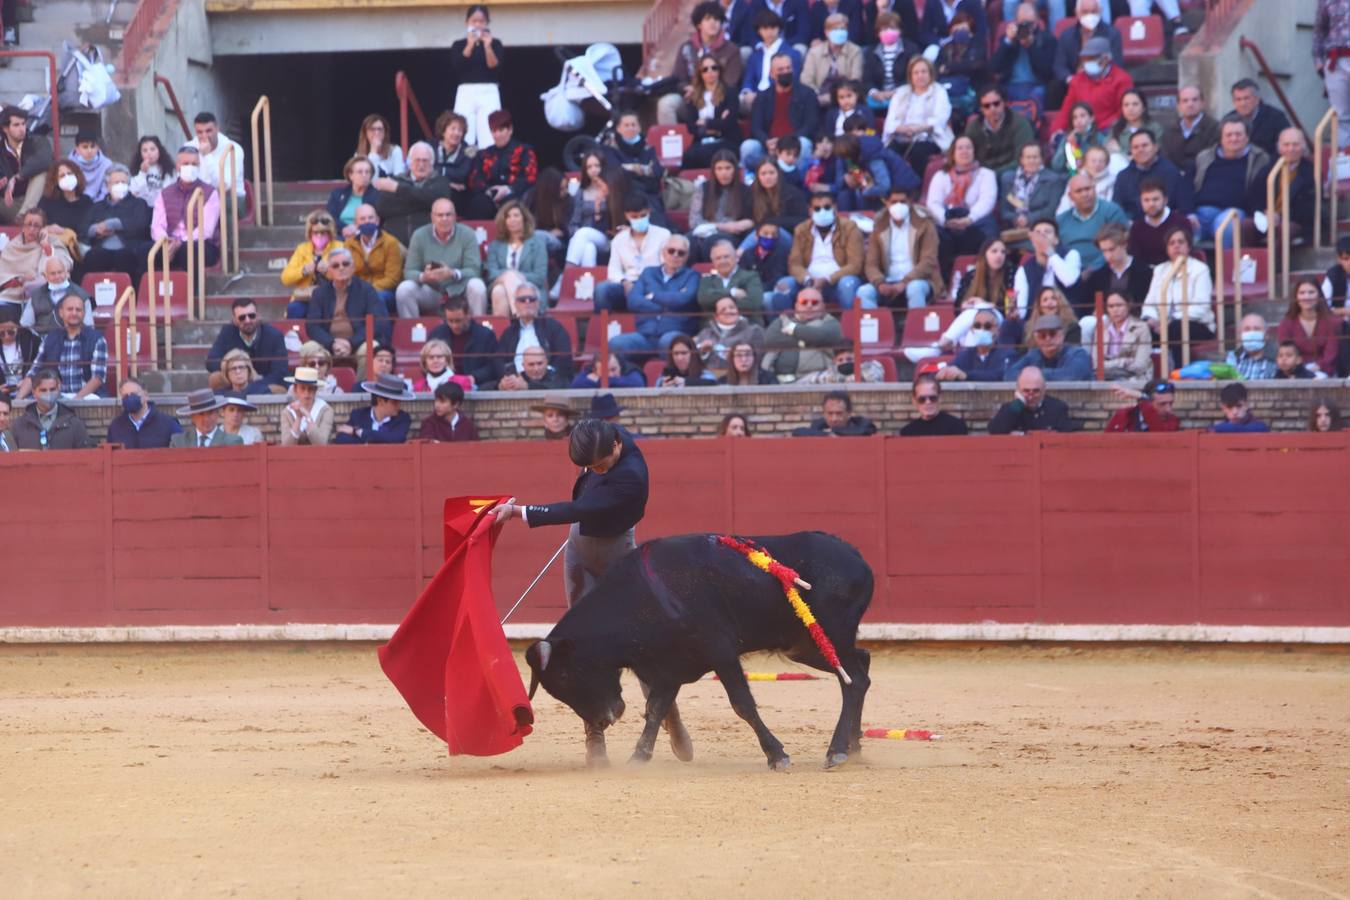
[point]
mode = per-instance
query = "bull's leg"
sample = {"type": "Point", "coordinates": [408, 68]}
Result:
{"type": "Point", "coordinates": [863, 666]}
{"type": "Point", "coordinates": [595, 746]}
{"type": "Point", "coordinates": [847, 731]}
{"type": "Point", "coordinates": [743, 702]}
{"type": "Point", "coordinates": [680, 742]}
{"type": "Point", "coordinates": [659, 702]}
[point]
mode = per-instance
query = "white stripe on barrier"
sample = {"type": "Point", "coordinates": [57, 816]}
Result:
{"type": "Point", "coordinates": [989, 631]}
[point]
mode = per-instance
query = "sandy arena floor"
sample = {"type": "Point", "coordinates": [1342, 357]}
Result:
{"type": "Point", "coordinates": [296, 771]}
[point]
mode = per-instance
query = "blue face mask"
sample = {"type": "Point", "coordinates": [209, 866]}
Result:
{"type": "Point", "coordinates": [823, 218]}
{"type": "Point", "coordinates": [640, 225]}
{"type": "Point", "coordinates": [982, 338]}
{"type": "Point", "coordinates": [787, 167]}
{"type": "Point", "coordinates": [132, 403]}
{"type": "Point", "coordinates": [1253, 341]}
{"type": "Point", "coordinates": [368, 230]}
{"type": "Point", "coordinates": [632, 140]}
{"type": "Point", "coordinates": [767, 243]}
{"type": "Point", "coordinates": [838, 36]}
{"type": "Point", "coordinates": [1092, 68]}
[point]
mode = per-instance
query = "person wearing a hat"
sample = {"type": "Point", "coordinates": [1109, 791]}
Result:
{"type": "Point", "coordinates": [93, 165]}
{"type": "Point", "coordinates": [203, 407]}
{"type": "Point", "coordinates": [232, 418]}
{"type": "Point", "coordinates": [1099, 82]}
{"type": "Point", "coordinates": [307, 419]}
{"type": "Point", "coordinates": [1146, 410]}
{"type": "Point", "coordinates": [384, 421]}
{"type": "Point", "coordinates": [557, 418]}
{"type": "Point", "coordinates": [1056, 360]}
{"type": "Point", "coordinates": [604, 406]}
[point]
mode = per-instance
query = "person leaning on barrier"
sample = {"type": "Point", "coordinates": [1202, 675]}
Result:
{"type": "Point", "coordinates": [933, 421]}
{"type": "Point", "coordinates": [837, 419]}
{"type": "Point", "coordinates": [448, 423]}
{"type": "Point", "coordinates": [48, 424]}
{"type": "Point", "coordinates": [1237, 417]}
{"type": "Point", "coordinates": [383, 421]}
{"type": "Point", "coordinates": [140, 425]}
{"type": "Point", "coordinates": [1031, 408]}
{"type": "Point", "coordinates": [472, 343]}
{"type": "Point", "coordinates": [203, 407]}
{"type": "Point", "coordinates": [1146, 410]}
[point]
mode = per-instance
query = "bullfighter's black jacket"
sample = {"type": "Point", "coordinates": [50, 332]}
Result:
{"type": "Point", "coordinates": [605, 505]}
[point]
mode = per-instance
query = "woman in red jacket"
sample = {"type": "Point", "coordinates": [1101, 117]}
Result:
{"type": "Point", "coordinates": [1309, 323]}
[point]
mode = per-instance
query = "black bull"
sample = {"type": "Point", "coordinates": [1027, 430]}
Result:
{"type": "Point", "coordinates": [677, 608]}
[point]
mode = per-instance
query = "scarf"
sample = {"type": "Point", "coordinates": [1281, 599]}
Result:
{"type": "Point", "coordinates": [1024, 184]}
{"type": "Point", "coordinates": [23, 259]}
{"type": "Point", "coordinates": [702, 49]}
{"type": "Point", "coordinates": [961, 177]}
{"type": "Point", "coordinates": [94, 171]}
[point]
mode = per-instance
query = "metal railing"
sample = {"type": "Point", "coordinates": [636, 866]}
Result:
{"type": "Point", "coordinates": [262, 162]}
{"type": "Point", "coordinates": [403, 90]}
{"type": "Point", "coordinates": [1269, 75]}
{"type": "Point", "coordinates": [1278, 235]}
{"type": "Point", "coordinates": [1165, 314]}
{"type": "Point", "coordinates": [1333, 121]}
{"type": "Point", "coordinates": [51, 87]}
{"type": "Point", "coordinates": [161, 285]}
{"type": "Point", "coordinates": [194, 219]}
{"type": "Point", "coordinates": [229, 220]}
{"type": "Point", "coordinates": [121, 338]}
{"type": "Point", "coordinates": [174, 105]}
{"type": "Point", "coordinates": [1230, 220]}
{"type": "Point", "coordinates": [138, 33]}
{"type": "Point", "coordinates": [663, 18]}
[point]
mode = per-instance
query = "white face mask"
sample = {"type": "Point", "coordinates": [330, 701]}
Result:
{"type": "Point", "coordinates": [1089, 21]}
{"type": "Point", "coordinates": [187, 174]}
{"type": "Point", "coordinates": [119, 190]}
{"type": "Point", "coordinates": [67, 182]}
{"type": "Point", "coordinates": [899, 211]}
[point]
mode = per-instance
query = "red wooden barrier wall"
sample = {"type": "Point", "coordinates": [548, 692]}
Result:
{"type": "Point", "coordinates": [1138, 529]}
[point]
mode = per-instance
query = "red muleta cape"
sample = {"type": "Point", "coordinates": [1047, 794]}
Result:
{"type": "Point", "coordinates": [449, 657]}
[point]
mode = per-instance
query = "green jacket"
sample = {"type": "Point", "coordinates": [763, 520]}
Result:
{"type": "Point", "coordinates": [711, 288]}
{"type": "Point", "coordinates": [999, 150]}
{"type": "Point", "coordinates": [460, 252]}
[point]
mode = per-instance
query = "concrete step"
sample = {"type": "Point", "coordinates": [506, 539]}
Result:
{"type": "Point", "coordinates": [244, 284]}
{"type": "Point", "coordinates": [173, 381]}
{"type": "Point", "coordinates": [271, 306]}
{"type": "Point", "coordinates": [275, 236]}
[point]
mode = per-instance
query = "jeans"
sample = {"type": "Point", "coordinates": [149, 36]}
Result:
{"type": "Point", "coordinates": [586, 246]}
{"type": "Point", "coordinates": [635, 343]}
{"type": "Point", "coordinates": [917, 294]}
{"type": "Point", "coordinates": [781, 298]}
{"type": "Point", "coordinates": [1209, 217]}
{"type": "Point", "coordinates": [1028, 91]}
{"type": "Point", "coordinates": [1169, 8]}
{"type": "Point", "coordinates": [610, 295]}
{"type": "Point", "coordinates": [389, 305]}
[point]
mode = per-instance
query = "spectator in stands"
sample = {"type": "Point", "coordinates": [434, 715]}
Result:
{"type": "Point", "coordinates": [1252, 363]}
{"type": "Point", "coordinates": [1097, 166]}
{"type": "Point", "coordinates": [6, 436]}
{"type": "Point", "coordinates": [1146, 164]}
{"type": "Point", "coordinates": [901, 259]}
{"type": "Point", "coordinates": [48, 424]}
{"type": "Point", "coordinates": [832, 60]}
{"type": "Point", "coordinates": [384, 421]}
{"type": "Point", "coordinates": [345, 200]}
{"type": "Point", "coordinates": [843, 103]}
{"type": "Point", "coordinates": [377, 254]}
{"type": "Point", "coordinates": [1264, 122]}
{"type": "Point", "coordinates": [768, 258]}
{"type": "Point", "coordinates": [619, 375]}
{"type": "Point", "coordinates": [472, 344]}
{"type": "Point", "coordinates": [307, 419]}
{"type": "Point", "coordinates": [1193, 133]}
{"type": "Point", "coordinates": [1083, 136]}
{"type": "Point", "coordinates": [777, 201]}
{"type": "Point", "coordinates": [140, 426]}
{"type": "Point", "coordinates": [634, 248]}
{"type": "Point", "coordinates": [314, 356]}
{"type": "Point", "coordinates": [735, 425]}
{"type": "Point", "coordinates": [789, 108]}
{"type": "Point", "coordinates": [448, 423]}
{"type": "Point", "coordinates": [232, 416]}
{"type": "Point", "coordinates": [475, 61]}
{"type": "Point", "coordinates": [237, 374]}
{"type": "Point", "coordinates": [533, 374]}
{"type": "Point", "coordinates": [1325, 416]}
{"type": "Point", "coordinates": [962, 63]}
{"type": "Point", "coordinates": [999, 133]}
{"type": "Point", "coordinates": [663, 297]}
{"type": "Point", "coordinates": [530, 329]}
{"type": "Point", "coordinates": [308, 265]}
{"type": "Point", "coordinates": [940, 16]}
{"type": "Point", "coordinates": [843, 368]}
{"type": "Point", "coordinates": [40, 312]}
{"type": "Point", "coordinates": [1056, 360]}
{"type": "Point", "coordinates": [64, 199]}
{"type": "Point", "coordinates": [375, 143]}
{"type": "Point", "coordinates": [684, 367]}
{"type": "Point", "coordinates": [1336, 282]}
{"type": "Point", "coordinates": [152, 167]}
{"type": "Point", "coordinates": [918, 120]}
{"type": "Point", "coordinates": [1120, 273]}
{"type": "Point", "coordinates": [1236, 415]}
{"type": "Point", "coordinates": [745, 369]}
{"type": "Point", "coordinates": [885, 64]}
{"type": "Point", "coordinates": [1031, 409]}
{"type": "Point", "coordinates": [454, 158]}
{"type": "Point", "coordinates": [1146, 410]}
{"type": "Point", "coordinates": [1024, 63]}
{"type": "Point", "coordinates": [1309, 324]}
{"type": "Point", "coordinates": [1231, 176]}
{"type": "Point", "coordinates": [22, 257]}
{"type": "Point", "coordinates": [517, 254]}
{"type": "Point", "coordinates": [801, 342]}
{"type": "Point", "coordinates": [203, 407]}
{"type": "Point", "coordinates": [597, 212]}
{"type": "Point", "coordinates": [852, 12]}
{"type": "Point", "coordinates": [837, 419]}
{"type": "Point", "coordinates": [760, 75]}
{"type": "Point", "coordinates": [711, 113]}
{"type": "Point", "coordinates": [212, 147]}
{"type": "Point", "coordinates": [628, 150]}
{"type": "Point", "coordinates": [1134, 118]}
{"type": "Point", "coordinates": [443, 261]}
{"type": "Point", "coordinates": [264, 345]}
{"type": "Point", "coordinates": [507, 168]}
{"type": "Point", "coordinates": [961, 198]}
{"type": "Point", "coordinates": [1101, 83]}
{"type": "Point", "coordinates": [438, 368]}
{"type": "Point", "coordinates": [866, 170]}
{"type": "Point", "coordinates": [24, 160]}
{"type": "Point", "coordinates": [708, 49]}
{"type": "Point", "coordinates": [932, 420]}
{"type": "Point", "coordinates": [405, 201]}
{"type": "Point", "coordinates": [382, 360]}
{"type": "Point", "coordinates": [1078, 226]}
{"type": "Point", "coordinates": [18, 348]}
{"type": "Point", "coordinates": [76, 352]}
{"type": "Point", "coordinates": [1050, 264]}
{"type": "Point", "coordinates": [1049, 301]}
{"type": "Point", "coordinates": [720, 207]}
{"type": "Point", "coordinates": [1293, 149]}
{"type": "Point", "coordinates": [556, 419]}
{"type": "Point", "coordinates": [990, 280]}
{"type": "Point", "coordinates": [551, 206]}
{"type": "Point", "coordinates": [1148, 234]}
{"type": "Point", "coordinates": [728, 279]}
{"type": "Point", "coordinates": [982, 359]}
{"type": "Point", "coordinates": [170, 216]}
{"type": "Point", "coordinates": [1071, 46]}
{"type": "Point", "coordinates": [1030, 191]}
{"type": "Point", "coordinates": [117, 229]}
{"type": "Point", "coordinates": [726, 327]}
{"type": "Point", "coordinates": [93, 165]}
{"type": "Point", "coordinates": [338, 310]}
{"type": "Point", "coordinates": [792, 166]}
{"type": "Point", "coordinates": [827, 253]}
{"type": "Point", "coordinates": [1331, 41]}
{"type": "Point", "coordinates": [1289, 363]}
{"type": "Point", "coordinates": [1127, 343]}
{"type": "Point", "coordinates": [1190, 279]}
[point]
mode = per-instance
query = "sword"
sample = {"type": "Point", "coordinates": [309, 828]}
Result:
{"type": "Point", "coordinates": [547, 565]}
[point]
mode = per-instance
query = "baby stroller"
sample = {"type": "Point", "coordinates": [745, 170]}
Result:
{"type": "Point", "coordinates": [593, 82]}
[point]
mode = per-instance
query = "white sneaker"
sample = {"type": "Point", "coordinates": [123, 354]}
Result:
{"type": "Point", "coordinates": [11, 36]}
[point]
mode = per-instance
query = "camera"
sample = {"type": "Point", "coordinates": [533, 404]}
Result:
{"type": "Point", "coordinates": [1024, 29]}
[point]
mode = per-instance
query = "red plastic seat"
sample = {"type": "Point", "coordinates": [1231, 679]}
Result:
{"type": "Point", "coordinates": [619, 323]}
{"type": "Point", "coordinates": [679, 220]}
{"type": "Point", "coordinates": [568, 301]}
{"type": "Point", "coordinates": [285, 326]}
{"type": "Point", "coordinates": [114, 284]}
{"type": "Point", "coordinates": [408, 340]}
{"type": "Point", "coordinates": [669, 142]}
{"type": "Point", "coordinates": [924, 326]}
{"type": "Point", "coordinates": [880, 331]}
{"type": "Point", "coordinates": [1065, 24]}
{"type": "Point", "coordinates": [695, 174]}
{"type": "Point", "coordinates": [154, 286]}
{"type": "Point", "coordinates": [1141, 38]}
{"type": "Point", "coordinates": [1256, 286]}
{"type": "Point", "coordinates": [1029, 108]}
{"type": "Point", "coordinates": [569, 323]}
{"type": "Point", "coordinates": [890, 373]}
{"type": "Point", "coordinates": [702, 268]}
{"type": "Point", "coordinates": [959, 266]}
{"type": "Point", "coordinates": [486, 235]}
{"type": "Point", "coordinates": [136, 347]}
{"type": "Point", "coordinates": [346, 379]}
{"type": "Point", "coordinates": [496, 323]}
{"type": "Point", "coordinates": [934, 166]}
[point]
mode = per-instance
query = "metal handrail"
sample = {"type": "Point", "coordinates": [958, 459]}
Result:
{"type": "Point", "coordinates": [51, 85]}
{"type": "Point", "coordinates": [177, 110]}
{"type": "Point", "coordinates": [1269, 76]}
{"type": "Point", "coordinates": [264, 108]}
{"type": "Point", "coordinates": [1231, 219]}
{"type": "Point", "coordinates": [229, 227]}
{"type": "Point", "coordinates": [1279, 170]}
{"type": "Point", "coordinates": [661, 19]}
{"type": "Point", "coordinates": [1334, 120]}
{"type": "Point", "coordinates": [403, 90]}
{"type": "Point", "coordinates": [161, 285]}
{"type": "Point", "coordinates": [126, 301]}
{"type": "Point", "coordinates": [194, 218]}
{"type": "Point", "coordinates": [137, 34]}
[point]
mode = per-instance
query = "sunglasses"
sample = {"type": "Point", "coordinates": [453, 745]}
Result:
{"type": "Point", "coordinates": [925, 398]}
{"type": "Point", "coordinates": [710, 68]}
{"type": "Point", "coordinates": [527, 299]}
{"type": "Point", "coordinates": [994, 104]}
{"type": "Point", "coordinates": [810, 304]}
{"type": "Point", "coordinates": [827, 207]}
{"type": "Point", "coordinates": [987, 326]}
{"type": "Point", "coordinates": [673, 252]}
{"type": "Point", "coordinates": [247, 317]}
{"type": "Point", "coordinates": [339, 265]}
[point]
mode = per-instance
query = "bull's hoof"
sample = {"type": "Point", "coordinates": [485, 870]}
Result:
{"type": "Point", "coordinates": [782, 764]}
{"type": "Point", "coordinates": [834, 760]}
{"type": "Point", "coordinates": [597, 760]}
{"type": "Point", "coordinates": [639, 757]}
{"type": "Point", "coordinates": [680, 743]}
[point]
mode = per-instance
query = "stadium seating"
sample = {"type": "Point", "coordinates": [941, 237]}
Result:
{"type": "Point", "coordinates": [154, 286]}
{"type": "Point", "coordinates": [111, 285]}
{"type": "Point", "coordinates": [662, 138]}
{"type": "Point", "coordinates": [874, 327]}
{"type": "Point", "coordinates": [568, 301]}
{"type": "Point", "coordinates": [1141, 38]}
{"type": "Point", "coordinates": [924, 326]}
{"type": "Point", "coordinates": [410, 335]}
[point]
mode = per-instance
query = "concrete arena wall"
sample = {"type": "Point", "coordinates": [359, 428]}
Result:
{"type": "Point", "coordinates": [1002, 533]}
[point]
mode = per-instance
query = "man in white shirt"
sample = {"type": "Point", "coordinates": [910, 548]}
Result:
{"type": "Point", "coordinates": [1049, 266]}
{"type": "Point", "coordinates": [214, 146]}
{"type": "Point", "coordinates": [902, 256]}
{"type": "Point", "coordinates": [633, 249]}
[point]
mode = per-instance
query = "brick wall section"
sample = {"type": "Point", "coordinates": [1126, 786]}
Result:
{"type": "Point", "coordinates": [778, 410]}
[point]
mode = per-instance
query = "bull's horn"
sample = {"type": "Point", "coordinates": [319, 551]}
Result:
{"type": "Point", "coordinates": [545, 651]}
{"type": "Point", "coordinates": [534, 683]}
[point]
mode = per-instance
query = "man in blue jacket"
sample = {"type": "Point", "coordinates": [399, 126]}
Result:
{"type": "Point", "coordinates": [140, 426]}
{"type": "Point", "coordinates": [347, 335]}
{"type": "Point", "coordinates": [1145, 162]}
{"type": "Point", "coordinates": [661, 295]}
{"type": "Point", "coordinates": [790, 108]}
{"type": "Point", "coordinates": [1056, 361]}
{"type": "Point", "coordinates": [384, 421]}
{"type": "Point", "coordinates": [265, 345]}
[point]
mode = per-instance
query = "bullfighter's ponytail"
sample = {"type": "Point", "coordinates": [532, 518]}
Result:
{"type": "Point", "coordinates": [592, 440]}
